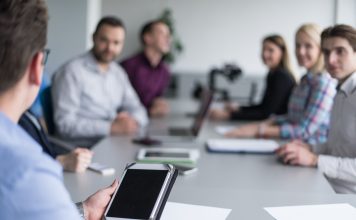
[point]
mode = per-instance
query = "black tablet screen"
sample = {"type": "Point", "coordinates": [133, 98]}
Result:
{"type": "Point", "coordinates": [167, 154]}
{"type": "Point", "coordinates": [137, 194]}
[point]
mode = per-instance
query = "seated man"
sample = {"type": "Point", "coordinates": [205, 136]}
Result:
{"type": "Point", "coordinates": [76, 160]}
{"type": "Point", "coordinates": [147, 71]}
{"type": "Point", "coordinates": [336, 158]}
{"type": "Point", "coordinates": [30, 182]}
{"type": "Point", "coordinates": [92, 96]}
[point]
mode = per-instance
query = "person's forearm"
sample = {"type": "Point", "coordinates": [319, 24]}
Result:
{"type": "Point", "coordinates": [83, 127]}
{"type": "Point", "coordinates": [268, 131]}
{"type": "Point", "coordinates": [338, 167]}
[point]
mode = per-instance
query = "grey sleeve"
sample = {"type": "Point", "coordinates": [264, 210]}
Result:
{"type": "Point", "coordinates": [320, 148]}
{"type": "Point", "coordinates": [66, 95]}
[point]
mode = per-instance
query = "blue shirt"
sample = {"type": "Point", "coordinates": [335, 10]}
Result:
{"type": "Point", "coordinates": [30, 181]}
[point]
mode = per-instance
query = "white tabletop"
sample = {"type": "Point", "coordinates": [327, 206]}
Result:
{"type": "Point", "coordinates": [244, 183]}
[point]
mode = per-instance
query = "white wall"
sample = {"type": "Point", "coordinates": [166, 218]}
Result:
{"type": "Point", "coordinates": [215, 32]}
{"type": "Point", "coordinates": [93, 17]}
{"type": "Point", "coordinates": [346, 12]}
{"type": "Point", "coordinates": [70, 26]}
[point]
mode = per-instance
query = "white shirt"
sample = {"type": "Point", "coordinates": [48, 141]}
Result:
{"type": "Point", "coordinates": [86, 101]}
{"type": "Point", "coordinates": [337, 159]}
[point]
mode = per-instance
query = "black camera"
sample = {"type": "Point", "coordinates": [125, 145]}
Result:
{"type": "Point", "coordinates": [230, 72]}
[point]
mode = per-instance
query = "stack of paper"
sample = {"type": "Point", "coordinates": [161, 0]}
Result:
{"type": "Point", "coordinates": [242, 145]}
{"type": "Point", "coordinates": [179, 211]}
{"type": "Point", "coordinates": [342, 211]}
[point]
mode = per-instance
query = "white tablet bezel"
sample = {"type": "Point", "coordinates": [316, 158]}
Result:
{"type": "Point", "coordinates": [145, 166]}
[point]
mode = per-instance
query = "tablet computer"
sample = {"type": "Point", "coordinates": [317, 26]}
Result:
{"type": "Point", "coordinates": [168, 155]}
{"type": "Point", "coordinates": [142, 192]}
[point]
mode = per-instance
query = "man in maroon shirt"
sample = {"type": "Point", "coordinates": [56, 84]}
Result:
{"type": "Point", "coordinates": [148, 73]}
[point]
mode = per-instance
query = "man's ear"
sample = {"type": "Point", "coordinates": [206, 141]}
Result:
{"type": "Point", "coordinates": [36, 69]}
{"type": "Point", "coordinates": [93, 38]}
{"type": "Point", "coordinates": [147, 39]}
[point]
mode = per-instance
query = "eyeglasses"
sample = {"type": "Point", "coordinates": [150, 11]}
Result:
{"type": "Point", "coordinates": [45, 55]}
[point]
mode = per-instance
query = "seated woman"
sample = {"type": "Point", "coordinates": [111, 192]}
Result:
{"type": "Point", "coordinates": [279, 85]}
{"type": "Point", "coordinates": [75, 161]}
{"type": "Point", "coordinates": [309, 107]}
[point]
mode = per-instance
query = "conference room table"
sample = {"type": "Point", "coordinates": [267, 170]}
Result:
{"type": "Point", "coordinates": [244, 183]}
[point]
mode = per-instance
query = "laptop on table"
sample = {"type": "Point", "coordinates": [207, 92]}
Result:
{"type": "Point", "coordinates": [190, 133]}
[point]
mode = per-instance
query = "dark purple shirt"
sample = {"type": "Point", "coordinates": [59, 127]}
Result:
{"type": "Point", "coordinates": [148, 81]}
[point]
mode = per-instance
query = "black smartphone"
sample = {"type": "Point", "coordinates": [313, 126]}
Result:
{"type": "Point", "coordinates": [147, 141]}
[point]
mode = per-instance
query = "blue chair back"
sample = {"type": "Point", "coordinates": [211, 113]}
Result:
{"type": "Point", "coordinates": [47, 108]}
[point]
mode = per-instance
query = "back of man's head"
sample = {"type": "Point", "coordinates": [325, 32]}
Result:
{"type": "Point", "coordinates": [23, 33]}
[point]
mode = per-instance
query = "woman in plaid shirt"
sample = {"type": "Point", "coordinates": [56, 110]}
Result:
{"type": "Point", "coordinates": [310, 103]}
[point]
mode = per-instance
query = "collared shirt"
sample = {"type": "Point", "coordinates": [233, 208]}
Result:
{"type": "Point", "coordinates": [148, 81]}
{"type": "Point", "coordinates": [337, 157]}
{"type": "Point", "coordinates": [86, 101]}
{"type": "Point", "coordinates": [31, 185]}
{"type": "Point", "coordinates": [309, 109]}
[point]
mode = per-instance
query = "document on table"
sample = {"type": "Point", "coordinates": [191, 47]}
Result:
{"type": "Point", "coordinates": [222, 130]}
{"type": "Point", "coordinates": [342, 211]}
{"type": "Point", "coordinates": [242, 145]}
{"type": "Point", "coordinates": [179, 211]}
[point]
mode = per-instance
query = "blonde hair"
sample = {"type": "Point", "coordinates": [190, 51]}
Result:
{"type": "Point", "coordinates": [314, 32]}
{"type": "Point", "coordinates": [285, 61]}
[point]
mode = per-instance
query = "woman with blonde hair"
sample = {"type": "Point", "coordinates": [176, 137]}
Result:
{"type": "Point", "coordinates": [310, 104]}
{"type": "Point", "coordinates": [280, 82]}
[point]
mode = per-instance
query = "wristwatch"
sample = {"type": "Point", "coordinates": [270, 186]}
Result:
{"type": "Point", "coordinates": [80, 209]}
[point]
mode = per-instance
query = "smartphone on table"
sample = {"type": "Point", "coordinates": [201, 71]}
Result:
{"type": "Point", "coordinates": [147, 141]}
{"type": "Point", "coordinates": [142, 192]}
{"type": "Point", "coordinates": [185, 170]}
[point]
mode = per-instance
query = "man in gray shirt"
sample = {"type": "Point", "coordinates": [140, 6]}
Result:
{"type": "Point", "coordinates": [92, 96]}
{"type": "Point", "coordinates": [337, 157]}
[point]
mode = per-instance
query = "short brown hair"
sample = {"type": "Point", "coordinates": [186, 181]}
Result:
{"type": "Point", "coordinates": [344, 31]}
{"type": "Point", "coordinates": [23, 33]}
{"type": "Point", "coordinates": [148, 28]}
{"type": "Point", "coordinates": [109, 20]}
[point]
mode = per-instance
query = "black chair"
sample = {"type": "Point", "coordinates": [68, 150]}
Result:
{"type": "Point", "coordinates": [47, 108]}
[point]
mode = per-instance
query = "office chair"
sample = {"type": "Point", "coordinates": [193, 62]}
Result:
{"type": "Point", "coordinates": [47, 108]}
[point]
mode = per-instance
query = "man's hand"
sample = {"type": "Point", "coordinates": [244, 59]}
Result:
{"type": "Point", "coordinates": [94, 206]}
{"type": "Point", "coordinates": [77, 160]}
{"type": "Point", "coordinates": [159, 108]}
{"type": "Point", "coordinates": [297, 153]}
{"type": "Point", "coordinates": [219, 114]}
{"type": "Point", "coordinates": [124, 123]}
{"type": "Point", "coordinates": [249, 130]}
{"type": "Point", "coordinates": [232, 107]}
